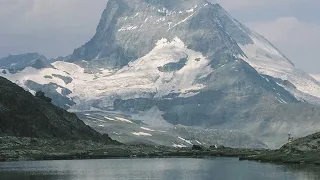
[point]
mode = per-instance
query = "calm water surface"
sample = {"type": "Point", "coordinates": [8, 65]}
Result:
{"type": "Point", "coordinates": [155, 169]}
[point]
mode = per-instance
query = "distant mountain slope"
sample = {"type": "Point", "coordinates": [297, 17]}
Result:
{"type": "Point", "coordinates": [24, 115]}
{"type": "Point", "coordinates": [130, 130]}
{"type": "Point", "coordinates": [15, 63]}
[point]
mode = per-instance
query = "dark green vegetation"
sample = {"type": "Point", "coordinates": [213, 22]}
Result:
{"type": "Point", "coordinates": [24, 115]}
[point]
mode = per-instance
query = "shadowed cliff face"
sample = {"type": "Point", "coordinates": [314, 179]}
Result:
{"type": "Point", "coordinates": [24, 115]}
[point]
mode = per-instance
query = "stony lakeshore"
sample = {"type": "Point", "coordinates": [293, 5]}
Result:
{"type": "Point", "coordinates": [21, 149]}
{"type": "Point", "coordinates": [305, 150]}
{"type": "Point", "coordinates": [17, 149]}
{"type": "Point", "coordinates": [302, 151]}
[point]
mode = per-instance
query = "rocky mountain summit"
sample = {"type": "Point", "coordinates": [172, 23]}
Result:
{"type": "Point", "coordinates": [129, 30]}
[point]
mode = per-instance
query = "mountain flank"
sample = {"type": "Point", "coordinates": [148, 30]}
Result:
{"type": "Point", "coordinates": [24, 115]}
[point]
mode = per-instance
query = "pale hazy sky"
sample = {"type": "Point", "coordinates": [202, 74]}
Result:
{"type": "Point", "coordinates": [57, 27]}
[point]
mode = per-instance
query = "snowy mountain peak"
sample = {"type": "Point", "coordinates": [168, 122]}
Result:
{"type": "Point", "coordinates": [129, 30]}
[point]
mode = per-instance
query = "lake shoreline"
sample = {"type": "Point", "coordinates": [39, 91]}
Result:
{"type": "Point", "coordinates": [32, 149]}
{"type": "Point", "coordinates": [308, 157]}
{"type": "Point", "coordinates": [265, 156]}
{"type": "Point", "coordinates": [22, 149]}
{"type": "Point", "coordinates": [169, 153]}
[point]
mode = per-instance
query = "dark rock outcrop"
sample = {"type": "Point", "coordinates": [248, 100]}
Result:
{"type": "Point", "coordinates": [197, 148]}
{"type": "Point", "coordinates": [50, 90]}
{"type": "Point", "coordinates": [41, 95]}
{"type": "Point", "coordinates": [24, 115]}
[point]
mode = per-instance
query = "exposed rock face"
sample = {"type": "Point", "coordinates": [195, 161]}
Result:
{"type": "Point", "coordinates": [129, 30]}
{"type": "Point", "coordinates": [41, 95]}
{"type": "Point", "coordinates": [59, 99]}
{"type": "Point", "coordinates": [24, 115]}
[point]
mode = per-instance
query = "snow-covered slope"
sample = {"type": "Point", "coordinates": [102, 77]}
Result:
{"type": "Point", "coordinates": [148, 76]}
{"type": "Point", "coordinates": [268, 60]}
{"type": "Point", "coordinates": [139, 79]}
{"type": "Point", "coordinates": [170, 68]}
{"type": "Point", "coordinates": [123, 36]}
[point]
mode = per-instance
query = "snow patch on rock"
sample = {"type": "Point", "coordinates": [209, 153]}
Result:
{"type": "Point", "coordinates": [141, 134]}
{"type": "Point", "coordinates": [147, 129]}
{"type": "Point", "coordinates": [178, 145]}
{"type": "Point", "coordinates": [187, 141]}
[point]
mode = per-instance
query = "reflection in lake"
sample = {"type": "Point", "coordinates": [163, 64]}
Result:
{"type": "Point", "coordinates": [155, 169]}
